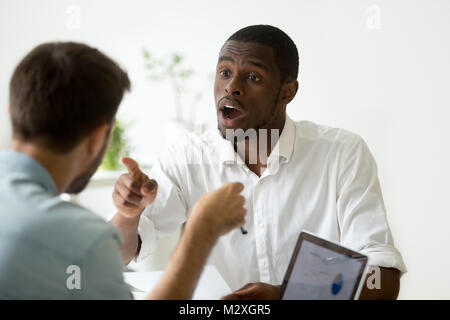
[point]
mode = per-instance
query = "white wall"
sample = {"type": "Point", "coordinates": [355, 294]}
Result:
{"type": "Point", "coordinates": [378, 68]}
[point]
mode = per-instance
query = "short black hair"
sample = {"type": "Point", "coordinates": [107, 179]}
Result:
{"type": "Point", "coordinates": [61, 91]}
{"type": "Point", "coordinates": [285, 50]}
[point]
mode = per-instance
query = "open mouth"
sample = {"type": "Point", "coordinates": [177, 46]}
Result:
{"type": "Point", "coordinates": [230, 112]}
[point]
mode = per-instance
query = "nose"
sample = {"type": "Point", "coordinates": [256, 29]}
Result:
{"type": "Point", "coordinates": [233, 88]}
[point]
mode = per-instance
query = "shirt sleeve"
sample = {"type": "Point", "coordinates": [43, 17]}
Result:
{"type": "Point", "coordinates": [102, 271]}
{"type": "Point", "coordinates": [361, 211]}
{"type": "Point", "coordinates": [166, 214]}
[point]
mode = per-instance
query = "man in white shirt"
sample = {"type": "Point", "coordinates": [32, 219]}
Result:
{"type": "Point", "coordinates": [304, 177]}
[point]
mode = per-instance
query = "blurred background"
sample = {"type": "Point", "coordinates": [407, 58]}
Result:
{"type": "Point", "coordinates": [378, 68]}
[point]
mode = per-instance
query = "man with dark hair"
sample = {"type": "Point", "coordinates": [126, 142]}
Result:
{"type": "Point", "coordinates": [298, 175]}
{"type": "Point", "coordinates": [63, 101]}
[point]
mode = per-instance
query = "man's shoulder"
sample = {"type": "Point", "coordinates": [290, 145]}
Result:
{"type": "Point", "coordinates": [79, 225]}
{"type": "Point", "coordinates": [193, 139]}
{"type": "Point", "coordinates": [191, 147]}
{"type": "Point", "coordinates": [314, 132]}
{"type": "Point", "coordinates": [37, 247]}
{"type": "Point", "coordinates": [63, 228]}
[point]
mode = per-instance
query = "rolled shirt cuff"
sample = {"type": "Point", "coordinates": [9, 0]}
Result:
{"type": "Point", "coordinates": [147, 233]}
{"type": "Point", "coordinates": [385, 256]}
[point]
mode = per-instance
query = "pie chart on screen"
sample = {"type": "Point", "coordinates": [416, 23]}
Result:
{"type": "Point", "coordinates": [336, 286]}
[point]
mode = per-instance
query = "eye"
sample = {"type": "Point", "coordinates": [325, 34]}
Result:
{"type": "Point", "coordinates": [224, 73]}
{"type": "Point", "coordinates": [253, 78]}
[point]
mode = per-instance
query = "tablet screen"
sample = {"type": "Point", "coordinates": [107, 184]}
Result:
{"type": "Point", "coordinates": [321, 273]}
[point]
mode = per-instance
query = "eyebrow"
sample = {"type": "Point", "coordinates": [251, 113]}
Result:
{"type": "Point", "coordinates": [249, 62]}
{"type": "Point", "coordinates": [225, 58]}
{"type": "Point", "coordinates": [256, 64]}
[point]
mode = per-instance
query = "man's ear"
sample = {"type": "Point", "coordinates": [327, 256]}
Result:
{"type": "Point", "coordinates": [97, 137]}
{"type": "Point", "coordinates": [288, 91]}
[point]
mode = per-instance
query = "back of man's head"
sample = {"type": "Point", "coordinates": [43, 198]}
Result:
{"type": "Point", "coordinates": [62, 91]}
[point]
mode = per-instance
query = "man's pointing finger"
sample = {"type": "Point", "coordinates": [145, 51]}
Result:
{"type": "Point", "coordinates": [133, 169]}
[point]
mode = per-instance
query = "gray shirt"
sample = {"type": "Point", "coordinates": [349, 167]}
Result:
{"type": "Point", "coordinates": [50, 248]}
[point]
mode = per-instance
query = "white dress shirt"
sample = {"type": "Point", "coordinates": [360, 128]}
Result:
{"type": "Point", "coordinates": [319, 179]}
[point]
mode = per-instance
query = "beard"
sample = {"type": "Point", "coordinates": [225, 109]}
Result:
{"type": "Point", "coordinates": [79, 183]}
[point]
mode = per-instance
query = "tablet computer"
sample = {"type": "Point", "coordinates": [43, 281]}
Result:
{"type": "Point", "coordinates": [320, 269]}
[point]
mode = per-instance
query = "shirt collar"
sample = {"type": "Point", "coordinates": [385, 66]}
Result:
{"type": "Point", "coordinates": [284, 147]}
{"type": "Point", "coordinates": [14, 161]}
{"type": "Point", "coordinates": [226, 152]}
